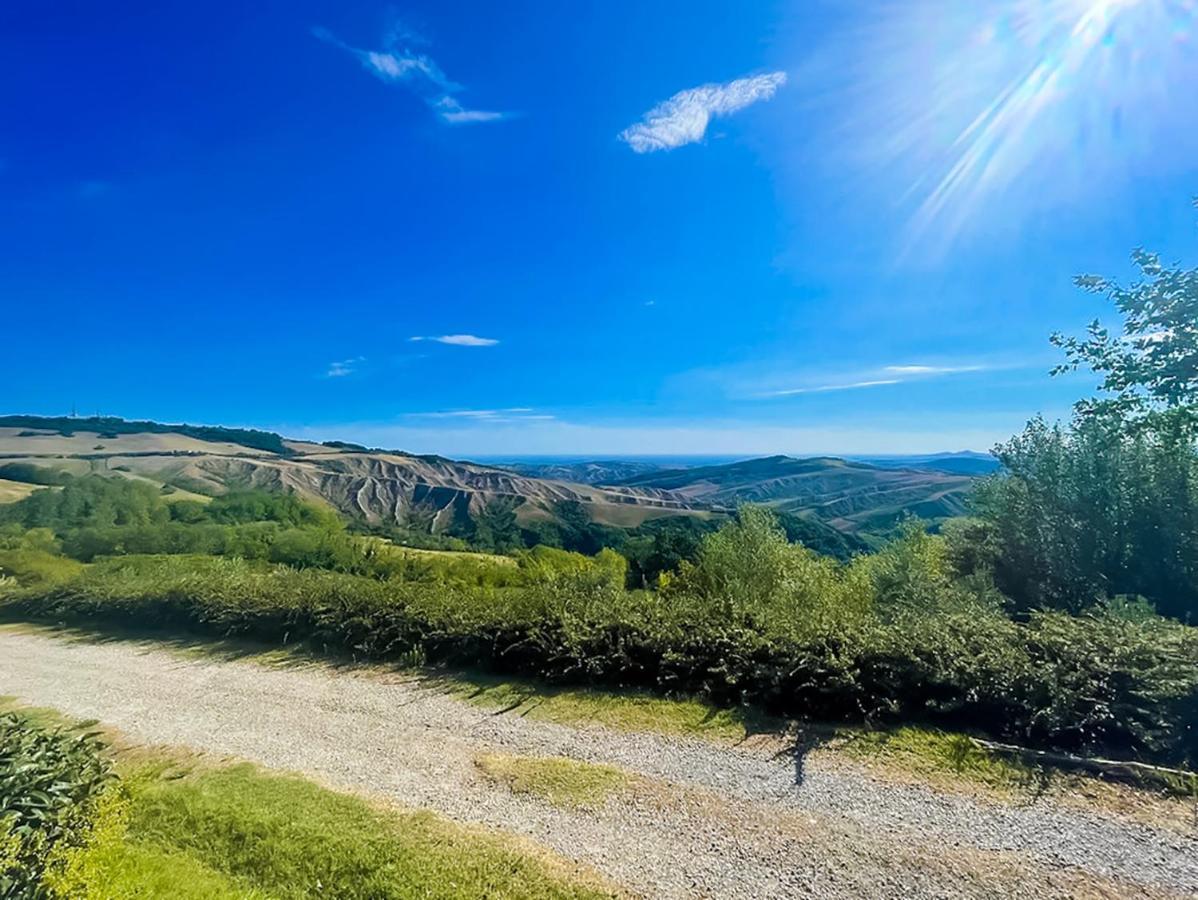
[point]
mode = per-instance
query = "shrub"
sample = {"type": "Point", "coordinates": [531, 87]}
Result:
{"type": "Point", "coordinates": [51, 784]}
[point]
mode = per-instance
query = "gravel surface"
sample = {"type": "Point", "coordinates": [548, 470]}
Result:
{"type": "Point", "coordinates": [702, 821]}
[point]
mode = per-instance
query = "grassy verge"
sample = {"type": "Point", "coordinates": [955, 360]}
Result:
{"type": "Point", "coordinates": [932, 754]}
{"type": "Point", "coordinates": [179, 826]}
{"type": "Point", "coordinates": [630, 711]}
{"type": "Point", "coordinates": [951, 761]}
{"type": "Point", "coordinates": [288, 838]}
{"type": "Point", "coordinates": [560, 781]}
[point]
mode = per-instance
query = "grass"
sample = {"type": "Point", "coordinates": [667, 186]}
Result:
{"type": "Point", "coordinates": [124, 869]}
{"type": "Point", "coordinates": [183, 826]}
{"type": "Point", "coordinates": [560, 781]}
{"type": "Point", "coordinates": [935, 755]}
{"type": "Point", "coordinates": [285, 837]}
{"type": "Point", "coordinates": [12, 491]}
{"type": "Point", "coordinates": [37, 567]}
{"type": "Point", "coordinates": [630, 711]}
{"type": "Point", "coordinates": [419, 552]}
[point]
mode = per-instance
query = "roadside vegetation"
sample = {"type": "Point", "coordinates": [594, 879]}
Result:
{"type": "Point", "coordinates": [1059, 616]}
{"type": "Point", "coordinates": [83, 821]}
{"type": "Point", "coordinates": [556, 779]}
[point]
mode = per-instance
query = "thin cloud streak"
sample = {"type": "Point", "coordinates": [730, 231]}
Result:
{"type": "Point", "coordinates": [904, 374]}
{"type": "Point", "coordinates": [934, 370]}
{"type": "Point", "coordinates": [458, 340]}
{"type": "Point", "coordinates": [344, 367]}
{"type": "Point", "coordinates": [825, 388]}
{"type": "Point", "coordinates": [683, 119]}
{"type": "Point", "coordinates": [415, 71]}
{"type": "Point", "coordinates": [506, 415]}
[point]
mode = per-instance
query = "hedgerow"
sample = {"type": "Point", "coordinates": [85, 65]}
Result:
{"type": "Point", "coordinates": [896, 636]}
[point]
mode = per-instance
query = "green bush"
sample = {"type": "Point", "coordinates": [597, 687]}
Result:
{"type": "Point", "coordinates": [51, 784]}
{"type": "Point", "coordinates": [31, 474]}
{"type": "Point", "coordinates": [893, 637]}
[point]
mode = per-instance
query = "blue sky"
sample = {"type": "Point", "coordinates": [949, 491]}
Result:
{"type": "Point", "coordinates": [593, 227]}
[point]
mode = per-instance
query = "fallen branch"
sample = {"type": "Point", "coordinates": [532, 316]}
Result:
{"type": "Point", "coordinates": [1103, 766]}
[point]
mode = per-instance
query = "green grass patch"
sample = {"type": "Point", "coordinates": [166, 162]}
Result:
{"type": "Point", "coordinates": [557, 779]}
{"type": "Point", "coordinates": [12, 491]}
{"type": "Point", "coordinates": [289, 838]}
{"type": "Point", "coordinates": [37, 569]}
{"type": "Point", "coordinates": [175, 825]}
{"type": "Point", "coordinates": [630, 711]}
{"type": "Point", "coordinates": [933, 754]}
{"type": "Point", "coordinates": [122, 869]}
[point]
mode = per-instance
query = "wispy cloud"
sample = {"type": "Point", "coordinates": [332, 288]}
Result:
{"type": "Point", "coordinates": [934, 370]}
{"type": "Point", "coordinates": [398, 64]}
{"type": "Point", "coordinates": [898, 374]}
{"type": "Point", "coordinates": [344, 367]}
{"type": "Point", "coordinates": [683, 119]}
{"type": "Point", "coordinates": [825, 388]}
{"type": "Point", "coordinates": [458, 340]}
{"type": "Point", "coordinates": [508, 414]}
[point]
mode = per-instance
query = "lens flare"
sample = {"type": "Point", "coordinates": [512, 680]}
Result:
{"type": "Point", "coordinates": [1006, 106]}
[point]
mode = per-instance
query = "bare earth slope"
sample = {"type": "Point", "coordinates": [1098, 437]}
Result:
{"type": "Point", "coordinates": [375, 485]}
{"type": "Point", "coordinates": [698, 820]}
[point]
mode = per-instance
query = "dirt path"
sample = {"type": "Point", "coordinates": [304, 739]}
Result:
{"type": "Point", "coordinates": [704, 821]}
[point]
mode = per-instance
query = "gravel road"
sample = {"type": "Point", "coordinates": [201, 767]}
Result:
{"type": "Point", "coordinates": [702, 821]}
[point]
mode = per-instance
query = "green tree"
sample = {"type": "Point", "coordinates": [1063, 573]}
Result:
{"type": "Point", "coordinates": [1108, 505]}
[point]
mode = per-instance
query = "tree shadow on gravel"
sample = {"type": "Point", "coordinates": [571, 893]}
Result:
{"type": "Point", "coordinates": [804, 739]}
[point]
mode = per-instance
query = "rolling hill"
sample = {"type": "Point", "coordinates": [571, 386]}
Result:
{"type": "Point", "coordinates": [965, 462]}
{"type": "Point", "coordinates": [596, 471]}
{"type": "Point", "coordinates": [433, 493]}
{"type": "Point", "coordinates": [854, 497]}
{"type": "Point", "coordinates": [428, 491]}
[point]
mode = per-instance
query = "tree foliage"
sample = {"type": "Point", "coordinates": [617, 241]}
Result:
{"type": "Point", "coordinates": [1108, 504]}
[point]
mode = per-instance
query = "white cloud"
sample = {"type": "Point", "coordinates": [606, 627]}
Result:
{"type": "Point", "coordinates": [417, 72]}
{"type": "Point", "coordinates": [458, 340]}
{"type": "Point", "coordinates": [505, 416]}
{"type": "Point", "coordinates": [824, 388]}
{"type": "Point", "coordinates": [683, 119]}
{"type": "Point", "coordinates": [344, 367]}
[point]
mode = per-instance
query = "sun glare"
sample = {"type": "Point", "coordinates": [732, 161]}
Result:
{"type": "Point", "coordinates": [1038, 98]}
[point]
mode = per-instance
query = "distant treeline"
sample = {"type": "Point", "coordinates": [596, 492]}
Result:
{"type": "Point", "coordinates": [112, 426]}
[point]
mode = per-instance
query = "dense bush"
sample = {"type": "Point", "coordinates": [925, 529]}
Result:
{"type": "Point", "coordinates": [1097, 509]}
{"type": "Point", "coordinates": [52, 782]}
{"type": "Point", "coordinates": [31, 474]}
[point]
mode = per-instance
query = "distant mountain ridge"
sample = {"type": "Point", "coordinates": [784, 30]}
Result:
{"type": "Point", "coordinates": [848, 495]}
{"type": "Point", "coordinates": [856, 497]}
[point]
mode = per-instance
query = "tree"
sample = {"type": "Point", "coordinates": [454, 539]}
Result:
{"type": "Point", "coordinates": [1152, 366]}
{"type": "Point", "coordinates": [1108, 506]}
